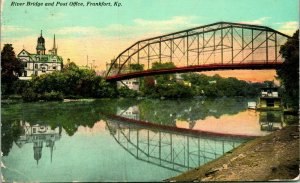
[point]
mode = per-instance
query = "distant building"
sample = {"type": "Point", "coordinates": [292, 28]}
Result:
{"type": "Point", "coordinates": [269, 99]}
{"type": "Point", "coordinates": [179, 79]}
{"type": "Point", "coordinates": [40, 62]}
{"type": "Point", "coordinates": [133, 84]}
{"type": "Point", "coordinates": [38, 135]}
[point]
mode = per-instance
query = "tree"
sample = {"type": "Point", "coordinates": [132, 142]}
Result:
{"type": "Point", "coordinates": [70, 66]}
{"type": "Point", "coordinates": [136, 67]}
{"type": "Point", "coordinates": [11, 68]}
{"type": "Point", "coordinates": [288, 73]}
{"type": "Point", "coordinates": [165, 78]}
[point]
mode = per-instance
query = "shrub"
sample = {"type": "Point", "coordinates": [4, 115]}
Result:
{"type": "Point", "coordinates": [29, 95]}
{"type": "Point", "coordinates": [127, 93]}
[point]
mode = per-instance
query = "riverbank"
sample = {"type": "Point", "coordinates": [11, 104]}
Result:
{"type": "Point", "coordinates": [272, 157]}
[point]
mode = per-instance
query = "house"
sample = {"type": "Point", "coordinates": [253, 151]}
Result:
{"type": "Point", "coordinates": [269, 99]}
{"type": "Point", "coordinates": [40, 63]}
{"type": "Point", "coordinates": [133, 84]}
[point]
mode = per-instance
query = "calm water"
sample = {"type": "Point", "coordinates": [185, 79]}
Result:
{"type": "Point", "coordinates": [115, 140]}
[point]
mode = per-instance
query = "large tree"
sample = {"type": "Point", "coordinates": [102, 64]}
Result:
{"type": "Point", "coordinates": [288, 73]}
{"type": "Point", "coordinates": [11, 68]}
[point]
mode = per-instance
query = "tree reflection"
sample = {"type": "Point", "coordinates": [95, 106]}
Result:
{"type": "Point", "coordinates": [70, 115]}
{"type": "Point", "coordinates": [10, 132]}
{"type": "Point", "coordinates": [168, 111]}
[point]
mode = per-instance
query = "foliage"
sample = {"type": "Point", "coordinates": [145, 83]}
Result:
{"type": "Point", "coordinates": [72, 82]}
{"type": "Point", "coordinates": [10, 132]}
{"type": "Point", "coordinates": [201, 85]}
{"type": "Point", "coordinates": [174, 90]}
{"type": "Point", "coordinates": [20, 86]}
{"type": "Point", "coordinates": [127, 93]}
{"type": "Point", "coordinates": [216, 86]}
{"type": "Point", "coordinates": [29, 95]}
{"type": "Point", "coordinates": [166, 78]}
{"type": "Point", "coordinates": [136, 67]}
{"type": "Point", "coordinates": [159, 65]}
{"type": "Point", "coordinates": [288, 73]}
{"type": "Point", "coordinates": [11, 69]}
{"type": "Point", "coordinates": [70, 66]}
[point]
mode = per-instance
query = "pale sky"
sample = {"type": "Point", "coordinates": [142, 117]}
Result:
{"type": "Point", "coordinates": [103, 32]}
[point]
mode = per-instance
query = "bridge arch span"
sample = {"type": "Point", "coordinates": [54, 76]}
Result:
{"type": "Point", "coordinates": [217, 46]}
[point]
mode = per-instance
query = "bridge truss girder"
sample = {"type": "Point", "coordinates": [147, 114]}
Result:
{"type": "Point", "coordinates": [175, 151]}
{"type": "Point", "coordinates": [219, 43]}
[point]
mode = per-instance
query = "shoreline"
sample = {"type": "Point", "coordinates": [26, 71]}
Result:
{"type": "Point", "coordinates": [272, 157]}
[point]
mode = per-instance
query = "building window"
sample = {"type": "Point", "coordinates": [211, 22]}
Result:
{"type": "Point", "coordinates": [43, 69]}
{"type": "Point", "coordinates": [25, 73]}
{"type": "Point", "coordinates": [36, 73]}
{"type": "Point", "coordinates": [25, 64]}
{"type": "Point", "coordinates": [36, 66]}
{"type": "Point", "coordinates": [54, 67]}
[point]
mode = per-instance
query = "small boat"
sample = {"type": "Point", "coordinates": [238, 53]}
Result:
{"type": "Point", "coordinates": [252, 105]}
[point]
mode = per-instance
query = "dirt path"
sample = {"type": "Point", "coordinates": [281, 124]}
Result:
{"type": "Point", "coordinates": [272, 157]}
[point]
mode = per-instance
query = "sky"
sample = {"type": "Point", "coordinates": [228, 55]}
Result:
{"type": "Point", "coordinates": [103, 32]}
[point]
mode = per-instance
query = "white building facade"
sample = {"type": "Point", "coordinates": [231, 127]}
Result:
{"type": "Point", "coordinates": [133, 84]}
{"type": "Point", "coordinates": [40, 63]}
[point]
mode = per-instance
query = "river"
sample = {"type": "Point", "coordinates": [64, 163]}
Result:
{"type": "Point", "coordinates": [123, 139]}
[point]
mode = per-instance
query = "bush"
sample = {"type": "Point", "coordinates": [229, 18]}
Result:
{"type": "Point", "coordinates": [29, 95]}
{"type": "Point", "coordinates": [20, 86]}
{"type": "Point", "coordinates": [127, 93]}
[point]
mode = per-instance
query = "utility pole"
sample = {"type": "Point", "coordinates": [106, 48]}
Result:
{"type": "Point", "coordinates": [87, 60]}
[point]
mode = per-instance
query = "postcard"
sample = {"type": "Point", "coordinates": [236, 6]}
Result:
{"type": "Point", "coordinates": [149, 90]}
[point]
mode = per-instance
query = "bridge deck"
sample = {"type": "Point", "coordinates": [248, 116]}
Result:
{"type": "Point", "coordinates": [197, 68]}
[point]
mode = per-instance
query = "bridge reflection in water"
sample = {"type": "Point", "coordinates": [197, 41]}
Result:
{"type": "Point", "coordinates": [174, 150]}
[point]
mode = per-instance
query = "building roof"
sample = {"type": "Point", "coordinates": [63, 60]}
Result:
{"type": "Point", "coordinates": [41, 38]}
{"type": "Point", "coordinates": [43, 58]}
{"type": "Point", "coordinates": [46, 57]}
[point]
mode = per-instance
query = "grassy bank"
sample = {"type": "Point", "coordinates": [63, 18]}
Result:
{"type": "Point", "coordinates": [273, 157]}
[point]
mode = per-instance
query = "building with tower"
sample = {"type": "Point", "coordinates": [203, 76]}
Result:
{"type": "Point", "coordinates": [40, 62]}
{"type": "Point", "coordinates": [39, 135]}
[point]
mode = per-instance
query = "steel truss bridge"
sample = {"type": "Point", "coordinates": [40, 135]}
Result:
{"type": "Point", "coordinates": [217, 46]}
{"type": "Point", "coordinates": [171, 149]}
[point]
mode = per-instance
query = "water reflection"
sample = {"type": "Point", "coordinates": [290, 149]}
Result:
{"type": "Point", "coordinates": [131, 112]}
{"type": "Point", "coordinates": [271, 120]}
{"type": "Point", "coordinates": [243, 123]}
{"type": "Point", "coordinates": [174, 150]}
{"type": "Point", "coordinates": [167, 135]}
{"type": "Point", "coordinates": [38, 135]}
